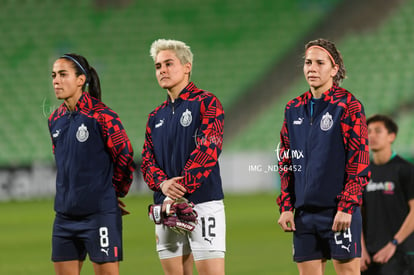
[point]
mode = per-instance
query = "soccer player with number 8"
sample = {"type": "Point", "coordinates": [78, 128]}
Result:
{"type": "Point", "coordinates": [94, 161]}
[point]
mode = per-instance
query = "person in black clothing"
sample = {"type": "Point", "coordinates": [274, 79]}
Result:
{"type": "Point", "coordinates": [388, 205]}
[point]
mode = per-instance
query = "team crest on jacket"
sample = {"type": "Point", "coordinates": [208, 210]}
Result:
{"type": "Point", "coordinates": [186, 118]}
{"type": "Point", "coordinates": [326, 122]}
{"type": "Point", "coordinates": [82, 134]}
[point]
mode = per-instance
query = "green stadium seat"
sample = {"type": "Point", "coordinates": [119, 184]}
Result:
{"type": "Point", "coordinates": [232, 49]}
{"type": "Point", "coordinates": [380, 70]}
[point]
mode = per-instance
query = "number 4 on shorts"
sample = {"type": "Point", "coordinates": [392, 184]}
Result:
{"type": "Point", "coordinates": [346, 235]}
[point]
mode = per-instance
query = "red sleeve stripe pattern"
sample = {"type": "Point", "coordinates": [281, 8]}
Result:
{"type": "Point", "coordinates": [209, 144]}
{"type": "Point", "coordinates": [120, 149]}
{"type": "Point", "coordinates": [286, 176]}
{"type": "Point", "coordinates": [152, 173]}
{"type": "Point", "coordinates": [355, 134]}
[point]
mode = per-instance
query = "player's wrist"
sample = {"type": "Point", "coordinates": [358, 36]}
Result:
{"type": "Point", "coordinates": [394, 242]}
{"type": "Point", "coordinates": [161, 185]}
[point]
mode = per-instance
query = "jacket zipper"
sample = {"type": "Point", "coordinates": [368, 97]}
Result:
{"type": "Point", "coordinates": [67, 144]}
{"type": "Point", "coordinates": [172, 148]}
{"type": "Point", "coordinates": [307, 148]}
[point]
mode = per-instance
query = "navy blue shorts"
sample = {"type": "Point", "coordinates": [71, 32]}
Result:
{"type": "Point", "coordinates": [99, 235]}
{"type": "Point", "coordinates": [314, 238]}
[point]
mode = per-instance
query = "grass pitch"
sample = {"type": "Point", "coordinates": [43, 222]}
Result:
{"type": "Point", "coordinates": [255, 243]}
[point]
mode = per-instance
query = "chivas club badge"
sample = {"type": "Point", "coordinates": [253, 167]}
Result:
{"type": "Point", "coordinates": [326, 122]}
{"type": "Point", "coordinates": [186, 118]}
{"type": "Point", "coordinates": [82, 134]}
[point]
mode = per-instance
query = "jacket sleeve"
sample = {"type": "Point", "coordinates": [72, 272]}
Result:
{"type": "Point", "coordinates": [357, 173]}
{"type": "Point", "coordinates": [50, 121]}
{"type": "Point", "coordinates": [152, 173]}
{"type": "Point", "coordinates": [120, 150]}
{"type": "Point", "coordinates": [209, 140]}
{"type": "Point", "coordinates": [285, 199]}
{"type": "Point", "coordinates": [49, 124]}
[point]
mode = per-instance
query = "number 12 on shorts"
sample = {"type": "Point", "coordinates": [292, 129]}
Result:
{"type": "Point", "coordinates": [207, 226]}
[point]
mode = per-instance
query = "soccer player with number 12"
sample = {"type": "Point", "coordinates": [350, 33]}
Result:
{"type": "Point", "coordinates": [183, 141]}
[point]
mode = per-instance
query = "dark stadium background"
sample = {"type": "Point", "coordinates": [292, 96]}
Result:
{"type": "Point", "coordinates": [247, 52]}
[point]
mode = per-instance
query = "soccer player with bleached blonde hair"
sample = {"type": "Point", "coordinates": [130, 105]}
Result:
{"type": "Point", "coordinates": [183, 141]}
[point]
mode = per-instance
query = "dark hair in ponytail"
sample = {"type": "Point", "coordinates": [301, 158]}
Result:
{"type": "Point", "coordinates": [81, 66]}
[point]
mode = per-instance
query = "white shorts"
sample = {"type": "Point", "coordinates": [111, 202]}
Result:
{"type": "Point", "coordinates": [207, 241]}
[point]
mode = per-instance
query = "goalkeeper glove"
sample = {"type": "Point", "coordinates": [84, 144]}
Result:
{"type": "Point", "coordinates": [178, 215]}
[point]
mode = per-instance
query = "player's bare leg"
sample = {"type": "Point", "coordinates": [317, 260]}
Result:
{"type": "Point", "coordinates": [210, 266]}
{"type": "Point", "coordinates": [315, 267]}
{"type": "Point", "coordinates": [68, 267]}
{"type": "Point", "coordinates": [111, 268]}
{"type": "Point", "coordinates": [349, 267]}
{"type": "Point", "coordinates": [182, 265]}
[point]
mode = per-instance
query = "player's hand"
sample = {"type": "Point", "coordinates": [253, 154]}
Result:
{"type": "Point", "coordinates": [365, 260]}
{"type": "Point", "coordinates": [342, 221]}
{"type": "Point", "coordinates": [171, 188]}
{"type": "Point", "coordinates": [384, 254]}
{"type": "Point", "coordinates": [286, 221]}
{"type": "Point", "coordinates": [122, 206]}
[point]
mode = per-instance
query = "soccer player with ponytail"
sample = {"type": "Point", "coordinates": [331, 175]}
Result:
{"type": "Point", "coordinates": [94, 161]}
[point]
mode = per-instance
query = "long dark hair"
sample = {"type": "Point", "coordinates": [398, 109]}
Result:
{"type": "Point", "coordinates": [81, 66]}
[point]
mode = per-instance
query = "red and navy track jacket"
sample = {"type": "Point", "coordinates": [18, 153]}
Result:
{"type": "Point", "coordinates": [94, 157]}
{"type": "Point", "coordinates": [323, 159]}
{"type": "Point", "coordinates": [184, 138]}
